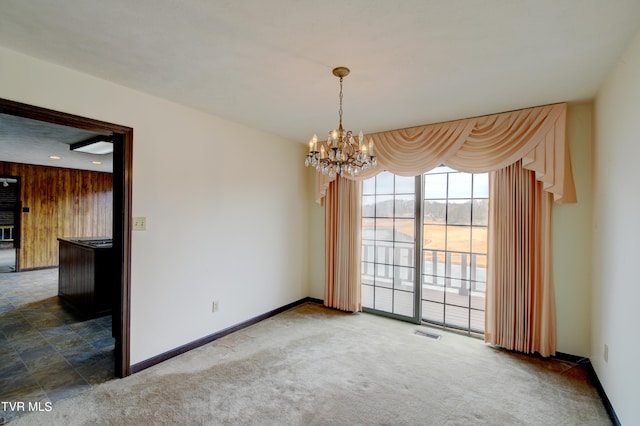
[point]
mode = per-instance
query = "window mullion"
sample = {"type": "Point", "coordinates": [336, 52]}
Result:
{"type": "Point", "coordinates": [419, 238]}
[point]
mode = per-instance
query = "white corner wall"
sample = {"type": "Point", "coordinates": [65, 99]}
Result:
{"type": "Point", "coordinates": [221, 225]}
{"type": "Point", "coordinates": [572, 241]}
{"type": "Point", "coordinates": [616, 236]}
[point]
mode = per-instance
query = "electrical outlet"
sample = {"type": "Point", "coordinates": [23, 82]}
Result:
{"type": "Point", "coordinates": [606, 353]}
{"type": "Point", "coordinates": [215, 306]}
{"type": "Point", "coordinates": [139, 223]}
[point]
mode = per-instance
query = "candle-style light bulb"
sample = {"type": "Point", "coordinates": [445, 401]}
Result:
{"type": "Point", "coordinates": [370, 146]}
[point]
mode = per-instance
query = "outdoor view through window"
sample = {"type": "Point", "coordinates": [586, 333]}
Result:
{"type": "Point", "coordinates": [441, 240]}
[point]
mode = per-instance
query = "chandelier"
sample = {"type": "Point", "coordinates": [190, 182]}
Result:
{"type": "Point", "coordinates": [341, 153]}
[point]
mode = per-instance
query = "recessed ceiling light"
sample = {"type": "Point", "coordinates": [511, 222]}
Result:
{"type": "Point", "coordinates": [96, 162]}
{"type": "Point", "coordinates": [54, 157]}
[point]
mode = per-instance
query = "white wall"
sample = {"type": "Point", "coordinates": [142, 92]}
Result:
{"type": "Point", "coordinates": [616, 236]}
{"type": "Point", "coordinates": [316, 241]}
{"type": "Point", "coordinates": [220, 224]}
{"type": "Point", "coordinates": [572, 241]}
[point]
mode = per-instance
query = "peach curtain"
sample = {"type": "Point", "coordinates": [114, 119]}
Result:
{"type": "Point", "coordinates": [533, 137]}
{"type": "Point", "coordinates": [520, 302]}
{"type": "Point", "coordinates": [480, 144]}
{"type": "Point", "coordinates": [342, 227]}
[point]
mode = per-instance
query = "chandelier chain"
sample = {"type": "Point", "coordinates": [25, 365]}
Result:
{"type": "Point", "coordinates": [340, 110]}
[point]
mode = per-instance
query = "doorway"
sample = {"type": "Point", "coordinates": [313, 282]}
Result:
{"type": "Point", "coordinates": [9, 221]}
{"type": "Point", "coordinates": [122, 189]}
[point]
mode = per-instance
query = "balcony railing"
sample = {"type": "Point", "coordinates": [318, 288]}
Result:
{"type": "Point", "coordinates": [452, 279]}
{"type": "Point", "coordinates": [399, 262]}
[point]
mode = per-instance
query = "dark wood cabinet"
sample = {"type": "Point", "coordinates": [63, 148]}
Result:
{"type": "Point", "coordinates": [85, 274]}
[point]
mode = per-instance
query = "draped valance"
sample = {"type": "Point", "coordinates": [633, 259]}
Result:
{"type": "Point", "coordinates": [537, 136]}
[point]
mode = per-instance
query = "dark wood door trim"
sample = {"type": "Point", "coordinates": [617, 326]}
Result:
{"type": "Point", "coordinates": [122, 190]}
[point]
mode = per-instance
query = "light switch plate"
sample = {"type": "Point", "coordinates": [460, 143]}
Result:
{"type": "Point", "coordinates": [139, 223]}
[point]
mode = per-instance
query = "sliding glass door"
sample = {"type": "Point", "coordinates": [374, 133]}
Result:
{"type": "Point", "coordinates": [426, 260]}
{"type": "Point", "coordinates": [454, 248]}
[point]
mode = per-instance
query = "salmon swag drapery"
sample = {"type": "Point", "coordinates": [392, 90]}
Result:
{"type": "Point", "coordinates": [477, 145]}
{"type": "Point", "coordinates": [536, 139]}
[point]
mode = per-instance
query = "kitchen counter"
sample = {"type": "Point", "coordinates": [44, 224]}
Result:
{"type": "Point", "coordinates": [85, 274]}
{"type": "Point", "coordinates": [90, 242]}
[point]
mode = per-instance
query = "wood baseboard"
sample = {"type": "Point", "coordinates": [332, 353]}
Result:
{"type": "Point", "coordinates": [593, 377]}
{"type": "Point", "coordinates": [215, 336]}
{"type": "Point", "coordinates": [605, 400]}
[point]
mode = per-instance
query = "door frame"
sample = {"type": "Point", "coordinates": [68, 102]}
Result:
{"type": "Point", "coordinates": [122, 196]}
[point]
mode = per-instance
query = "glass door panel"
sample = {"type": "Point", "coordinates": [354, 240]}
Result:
{"type": "Point", "coordinates": [388, 245]}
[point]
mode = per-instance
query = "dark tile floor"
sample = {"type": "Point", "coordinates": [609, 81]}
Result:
{"type": "Point", "coordinates": [47, 352]}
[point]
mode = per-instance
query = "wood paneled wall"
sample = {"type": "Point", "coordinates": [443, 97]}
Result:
{"type": "Point", "coordinates": [62, 203]}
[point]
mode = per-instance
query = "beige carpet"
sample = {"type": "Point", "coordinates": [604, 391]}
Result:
{"type": "Point", "coordinates": [311, 365]}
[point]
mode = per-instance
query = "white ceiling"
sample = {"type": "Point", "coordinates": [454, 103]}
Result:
{"type": "Point", "coordinates": [267, 64]}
